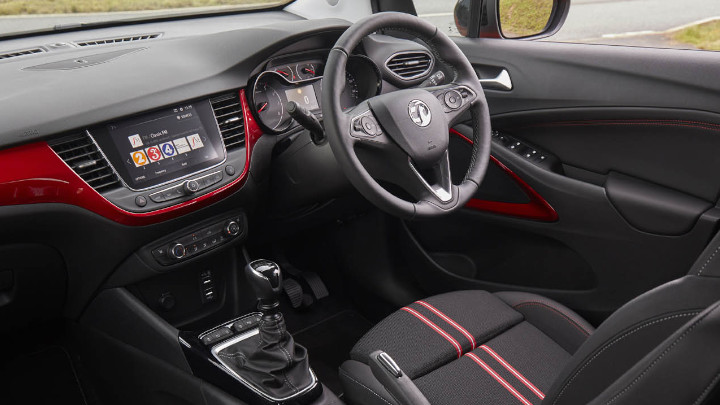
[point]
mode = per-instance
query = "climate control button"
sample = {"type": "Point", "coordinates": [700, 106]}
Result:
{"type": "Point", "coordinates": [177, 251]}
{"type": "Point", "coordinates": [232, 228]}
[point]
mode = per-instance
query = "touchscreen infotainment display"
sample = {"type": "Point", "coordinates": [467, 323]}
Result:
{"type": "Point", "coordinates": [163, 146]}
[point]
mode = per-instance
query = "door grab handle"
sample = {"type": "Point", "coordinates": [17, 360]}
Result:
{"type": "Point", "coordinates": [501, 82]}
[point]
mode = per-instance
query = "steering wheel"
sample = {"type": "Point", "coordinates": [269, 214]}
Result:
{"type": "Point", "coordinates": [402, 137]}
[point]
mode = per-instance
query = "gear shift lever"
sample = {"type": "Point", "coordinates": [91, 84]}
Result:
{"type": "Point", "coordinates": [266, 281]}
{"type": "Point", "coordinates": [270, 361]}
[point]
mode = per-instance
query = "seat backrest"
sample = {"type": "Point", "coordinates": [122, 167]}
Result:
{"type": "Point", "coordinates": [632, 335]}
{"type": "Point", "coordinates": [683, 369]}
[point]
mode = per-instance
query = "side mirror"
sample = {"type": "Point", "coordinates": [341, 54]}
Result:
{"type": "Point", "coordinates": [519, 19]}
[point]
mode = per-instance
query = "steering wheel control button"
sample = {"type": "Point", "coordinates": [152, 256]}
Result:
{"type": "Point", "coordinates": [191, 187]}
{"type": "Point", "coordinates": [177, 251]}
{"type": "Point", "coordinates": [230, 170]}
{"type": "Point", "coordinates": [369, 125]}
{"type": "Point", "coordinates": [366, 125]}
{"type": "Point", "coordinates": [140, 201]}
{"type": "Point", "coordinates": [453, 99]}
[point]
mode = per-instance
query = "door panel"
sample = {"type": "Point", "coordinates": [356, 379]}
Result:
{"type": "Point", "coordinates": [634, 132]}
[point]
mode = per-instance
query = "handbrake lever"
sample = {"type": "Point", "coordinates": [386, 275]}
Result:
{"type": "Point", "coordinates": [395, 380]}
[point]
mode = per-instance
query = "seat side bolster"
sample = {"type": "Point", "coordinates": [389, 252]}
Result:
{"type": "Point", "coordinates": [681, 370]}
{"type": "Point", "coordinates": [361, 387]}
{"type": "Point", "coordinates": [557, 321]}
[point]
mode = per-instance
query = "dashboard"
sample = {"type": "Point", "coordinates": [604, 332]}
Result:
{"type": "Point", "coordinates": [103, 160]}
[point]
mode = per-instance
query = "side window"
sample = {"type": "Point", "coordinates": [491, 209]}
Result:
{"type": "Point", "coordinates": [690, 24]}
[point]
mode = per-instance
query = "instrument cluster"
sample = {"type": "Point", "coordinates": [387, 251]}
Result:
{"type": "Point", "coordinates": [301, 82]}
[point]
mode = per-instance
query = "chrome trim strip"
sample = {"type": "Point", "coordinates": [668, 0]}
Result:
{"type": "Point", "coordinates": [443, 191]}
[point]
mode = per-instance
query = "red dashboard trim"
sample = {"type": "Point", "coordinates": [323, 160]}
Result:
{"type": "Point", "coordinates": [537, 209]}
{"type": "Point", "coordinates": [33, 174]}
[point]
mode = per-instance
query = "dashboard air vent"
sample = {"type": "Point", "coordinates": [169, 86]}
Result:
{"type": "Point", "coordinates": [410, 65]}
{"type": "Point", "coordinates": [22, 52]}
{"type": "Point", "coordinates": [228, 114]}
{"type": "Point", "coordinates": [82, 155]}
{"type": "Point", "coordinates": [117, 40]}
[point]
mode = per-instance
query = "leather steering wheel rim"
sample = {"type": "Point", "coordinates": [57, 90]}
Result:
{"type": "Point", "coordinates": [393, 117]}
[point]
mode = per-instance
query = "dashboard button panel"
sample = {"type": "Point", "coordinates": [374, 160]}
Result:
{"type": "Point", "coordinates": [189, 187]}
{"type": "Point", "coordinates": [195, 243]}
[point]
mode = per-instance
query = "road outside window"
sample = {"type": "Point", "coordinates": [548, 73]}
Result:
{"type": "Point", "coordinates": [685, 24]}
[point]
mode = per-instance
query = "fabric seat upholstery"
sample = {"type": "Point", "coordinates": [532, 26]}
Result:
{"type": "Point", "coordinates": [475, 347]}
{"type": "Point", "coordinates": [444, 342]}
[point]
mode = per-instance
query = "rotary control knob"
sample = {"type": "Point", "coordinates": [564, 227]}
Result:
{"type": "Point", "coordinates": [191, 187]}
{"type": "Point", "coordinates": [177, 251]}
{"type": "Point", "coordinates": [232, 228]}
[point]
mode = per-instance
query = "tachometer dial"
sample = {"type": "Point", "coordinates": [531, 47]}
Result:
{"type": "Point", "coordinates": [307, 71]}
{"type": "Point", "coordinates": [269, 105]}
{"type": "Point", "coordinates": [287, 73]}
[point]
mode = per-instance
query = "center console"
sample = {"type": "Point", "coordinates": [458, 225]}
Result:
{"type": "Point", "coordinates": [254, 357]}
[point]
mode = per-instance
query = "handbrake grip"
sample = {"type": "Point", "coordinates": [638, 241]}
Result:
{"type": "Point", "coordinates": [395, 380]}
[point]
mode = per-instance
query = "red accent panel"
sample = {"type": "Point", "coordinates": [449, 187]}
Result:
{"type": "Point", "coordinates": [452, 323]}
{"type": "Point", "coordinates": [499, 379]}
{"type": "Point", "coordinates": [514, 372]}
{"type": "Point", "coordinates": [436, 328]}
{"type": "Point", "coordinates": [538, 208]}
{"type": "Point", "coordinates": [33, 173]}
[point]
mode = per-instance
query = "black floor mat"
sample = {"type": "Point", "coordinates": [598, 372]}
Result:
{"type": "Point", "coordinates": [43, 377]}
{"type": "Point", "coordinates": [329, 343]}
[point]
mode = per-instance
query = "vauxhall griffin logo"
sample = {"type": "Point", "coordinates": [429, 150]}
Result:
{"type": "Point", "coordinates": [420, 113]}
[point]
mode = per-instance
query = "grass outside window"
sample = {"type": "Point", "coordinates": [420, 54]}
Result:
{"type": "Point", "coordinates": [25, 7]}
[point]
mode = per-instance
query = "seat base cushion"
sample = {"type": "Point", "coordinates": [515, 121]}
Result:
{"type": "Point", "coordinates": [469, 347]}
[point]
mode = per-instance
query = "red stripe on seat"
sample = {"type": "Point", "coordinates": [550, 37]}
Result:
{"type": "Point", "coordinates": [514, 372]}
{"type": "Point", "coordinates": [450, 321]}
{"type": "Point", "coordinates": [499, 379]}
{"type": "Point", "coordinates": [436, 328]}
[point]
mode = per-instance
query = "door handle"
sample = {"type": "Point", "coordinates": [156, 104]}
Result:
{"type": "Point", "coordinates": [501, 82]}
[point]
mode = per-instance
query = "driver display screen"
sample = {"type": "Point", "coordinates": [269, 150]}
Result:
{"type": "Point", "coordinates": [155, 148]}
{"type": "Point", "coordinates": [304, 97]}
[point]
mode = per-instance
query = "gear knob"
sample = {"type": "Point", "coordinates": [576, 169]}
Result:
{"type": "Point", "coordinates": [266, 281]}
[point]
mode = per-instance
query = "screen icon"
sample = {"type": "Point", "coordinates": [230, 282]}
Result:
{"type": "Point", "coordinates": [139, 158]}
{"type": "Point", "coordinates": [195, 141]}
{"type": "Point", "coordinates": [154, 154]}
{"type": "Point", "coordinates": [181, 145]}
{"type": "Point", "coordinates": [168, 150]}
{"type": "Point", "coordinates": [135, 141]}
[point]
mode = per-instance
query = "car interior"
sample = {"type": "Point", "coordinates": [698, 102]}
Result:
{"type": "Point", "coordinates": [329, 202]}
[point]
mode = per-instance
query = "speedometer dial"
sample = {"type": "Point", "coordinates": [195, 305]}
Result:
{"type": "Point", "coordinates": [269, 104]}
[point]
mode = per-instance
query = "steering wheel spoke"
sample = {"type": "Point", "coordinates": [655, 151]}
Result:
{"type": "Point", "coordinates": [436, 181]}
{"type": "Point", "coordinates": [455, 99]}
